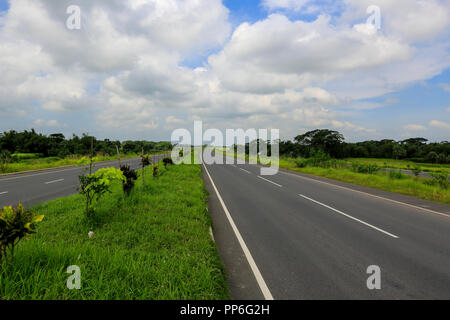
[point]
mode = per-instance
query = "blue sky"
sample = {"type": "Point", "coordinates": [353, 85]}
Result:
{"type": "Point", "coordinates": [242, 82]}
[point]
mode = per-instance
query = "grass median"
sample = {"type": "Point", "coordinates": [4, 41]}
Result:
{"type": "Point", "coordinates": [153, 245]}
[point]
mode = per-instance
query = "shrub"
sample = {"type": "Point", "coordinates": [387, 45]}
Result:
{"type": "Point", "coordinates": [301, 163]}
{"type": "Point", "coordinates": [94, 186]}
{"type": "Point", "coordinates": [155, 170]}
{"type": "Point", "coordinates": [394, 174]}
{"type": "Point", "coordinates": [130, 177]}
{"type": "Point", "coordinates": [5, 159]}
{"type": "Point", "coordinates": [146, 161]}
{"type": "Point", "coordinates": [15, 224]}
{"type": "Point", "coordinates": [167, 161]}
{"type": "Point", "coordinates": [365, 168]}
{"type": "Point", "coordinates": [416, 170]}
{"type": "Point", "coordinates": [441, 179]}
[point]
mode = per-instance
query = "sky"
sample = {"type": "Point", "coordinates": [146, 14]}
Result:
{"type": "Point", "coordinates": [139, 69]}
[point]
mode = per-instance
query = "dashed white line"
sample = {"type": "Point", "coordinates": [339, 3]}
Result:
{"type": "Point", "coordinates": [279, 185]}
{"type": "Point", "coordinates": [54, 181]}
{"type": "Point", "coordinates": [262, 284]}
{"type": "Point", "coordinates": [244, 170]}
{"type": "Point", "coordinates": [4, 192]}
{"type": "Point", "coordinates": [350, 217]}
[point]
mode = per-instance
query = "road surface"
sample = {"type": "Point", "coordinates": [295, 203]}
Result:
{"type": "Point", "coordinates": [36, 187]}
{"type": "Point", "coordinates": [307, 238]}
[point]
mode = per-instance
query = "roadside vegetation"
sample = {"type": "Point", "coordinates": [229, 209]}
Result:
{"type": "Point", "coordinates": [324, 153]}
{"type": "Point", "coordinates": [150, 242]}
{"type": "Point", "coordinates": [28, 150]}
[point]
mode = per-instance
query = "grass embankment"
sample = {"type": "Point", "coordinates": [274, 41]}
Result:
{"type": "Point", "coordinates": [154, 244]}
{"type": "Point", "coordinates": [400, 183]}
{"type": "Point", "coordinates": [27, 163]}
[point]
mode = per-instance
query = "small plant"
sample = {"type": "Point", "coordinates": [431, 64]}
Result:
{"type": "Point", "coordinates": [301, 163]}
{"type": "Point", "coordinates": [167, 161]}
{"type": "Point", "coordinates": [94, 186]}
{"type": "Point", "coordinates": [130, 177]}
{"type": "Point", "coordinates": [416, 170]}
{"type": "Point", "coordinates": [5, 159]}
{"type": "Point", "coordinates": [394, 174]}
{"type": "Point", "coordinates": [15, 224]}
{"type": "Point", "coordinates": [155, 170]}
{"type": "Point", "coordinates": [441, 179]}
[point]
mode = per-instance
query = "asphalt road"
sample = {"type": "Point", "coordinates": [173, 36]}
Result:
{"type": "Point", "coordinates": [36, 187]}
{"type": "Point", "coordinates": [315, 239]}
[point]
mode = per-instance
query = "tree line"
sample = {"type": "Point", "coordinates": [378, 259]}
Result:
{"type": "Point", "coordinates": [57, 145]}
{"type": "Point", "coordinates": [333, 143]}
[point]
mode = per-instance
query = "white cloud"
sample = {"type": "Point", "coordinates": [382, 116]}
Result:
{"type": "Point", "coordinates": [440, 125]}
{"type": "Point", "coordinates": [414, 127]}
{"type": "Point", "coordinates": [173, 120]}
{"type": "Point", "coordinates": [448, 109]}
{"type": "Point", "coordinates": [46, 123]}
{"type": "Point", "coordinates": [125, 65]}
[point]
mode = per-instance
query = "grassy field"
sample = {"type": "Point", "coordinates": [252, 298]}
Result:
{"type": "Point", "coordinates": [153, 245]}
{"type": "Point", "coordinates": [402, 164]}
{"type": "Point", "coordinates": [27, 162]}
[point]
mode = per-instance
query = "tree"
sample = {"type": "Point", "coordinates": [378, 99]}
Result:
{"type": "Point", "coordinates": [322, 139]}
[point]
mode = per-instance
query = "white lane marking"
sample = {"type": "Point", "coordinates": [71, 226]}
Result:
{"type": "Point", "coordinates": [5, 192]}
{"type": "Point", "coordinates": [54, 181]}
{"type": "Point", "coordinates": [350, 217]}
{"type": "Point", "coordinates": [245, 170]}
{"type": "Point", "coordinates": [262, 284]}
{"type": "Point", "coordinates": [368, 194]}
{"type": "Point", "coordinates": [279, 185]}
{"type": "Point", "coordinates": [234, 165]}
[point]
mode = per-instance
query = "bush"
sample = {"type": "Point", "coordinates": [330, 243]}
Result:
{"type": "Point", "coordinates": [155, 170]}
{"type": "Point", "coordinates": [301, 163]}
{"type": "Point", "coordinates": [94, 186]}
{"type": "Point", "coordinates": [15, 224]}
{"type": "Point", "coordinates": [167, 161]}
{"type": "Point", "coordinates": [146, 161]}
{"type": "Point", "coordinates": [441, 179]}
{"type": "Point", "coordinates": [394, 174]}
{"type": "Point", "coordinates": [365, 168]}
{"type": "Point", "coordinates": [130, 177]}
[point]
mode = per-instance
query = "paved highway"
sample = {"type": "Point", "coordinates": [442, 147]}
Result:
{"type": "Point", "coordinates": [35, 187]}
{"type": "Point", "coordinates": [308, 238]}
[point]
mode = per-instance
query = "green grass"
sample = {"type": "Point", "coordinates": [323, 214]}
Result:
{"type": "Point", "coordinates": [407, 185]}
{"type": "Point", "coordinates": [402, 164]}
{"type": "Point", "coordinates": [153, 245]}
{"type": "Point", "coordinates": [28, 163]}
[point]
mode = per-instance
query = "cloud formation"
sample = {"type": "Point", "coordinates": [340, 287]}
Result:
{"type": "Point", "coordinates": [126, 66]}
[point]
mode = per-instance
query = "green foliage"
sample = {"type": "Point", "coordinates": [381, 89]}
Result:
{"type": "Point", "coordinates": [94, 186]}
{"type": "Point", "coordinates": [416, 170]}
{"type": "Point", "coordinates": [5, 159]}
{"type": "Point", "coordinates": [394, 174]}
{"type": "Point", "coordinates": [365, 168]}
{"type": "Point", "coordinates": [441, 179]}
{"type": "Point", "coordinates": [146, 160]}
{"type": "Point", "coordinates": [15, 224]}
{"type": "Point", "coordinates": [167, 161]}
{"type": "Point", "coordinates": [155, 170]}
{"type": "Point", "coordinates": [130, 177]}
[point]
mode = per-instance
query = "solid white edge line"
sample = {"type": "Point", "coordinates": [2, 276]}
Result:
{"type": "Point", "coordinates": [350, 217]}
{"type": "Point", "coordinates": [5, 192]}
{"type": "Point", "coordinates": [279, 185]}
{"type": "Point", "coordinates": [262, 284]}
{"type": "Point", "coordinates": [54, 181]}
{"type": "Point", "coordinates": [368, 194]}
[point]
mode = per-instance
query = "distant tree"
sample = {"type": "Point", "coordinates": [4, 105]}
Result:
{"type": "Point", "coordinates": [322, 139]}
